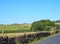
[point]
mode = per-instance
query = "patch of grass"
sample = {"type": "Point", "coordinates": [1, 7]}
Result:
{"type": "Point", "coordinates": [17, 34]}
{"type": "Point", "coordinates": [42, 38]}
{"type": "Point", "coordinates": [14, 28]}
{"type": "Point", "coordinates": [35, 40]}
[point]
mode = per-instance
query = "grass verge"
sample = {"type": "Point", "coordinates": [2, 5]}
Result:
{"type": "Point", "coordinates": [42, 38]}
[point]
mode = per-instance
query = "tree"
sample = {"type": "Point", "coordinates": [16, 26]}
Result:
{"type": "Point", "coordinates": [42, 25]}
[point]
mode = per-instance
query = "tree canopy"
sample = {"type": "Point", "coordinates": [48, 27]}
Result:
{"type": "Point", "coordinates": [42, 25]}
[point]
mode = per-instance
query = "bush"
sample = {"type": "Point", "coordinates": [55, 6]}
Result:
{"type": "Point", "coordinates": [42, 25]}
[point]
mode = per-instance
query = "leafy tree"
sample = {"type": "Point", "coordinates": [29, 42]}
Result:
{"type": "Point", "coordinates": [42, 25]}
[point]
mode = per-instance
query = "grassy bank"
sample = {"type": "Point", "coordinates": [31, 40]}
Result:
{"type": "Point", "coordinates": [42, 38]}
{"type": "Point", "coordinates": [17, 34]}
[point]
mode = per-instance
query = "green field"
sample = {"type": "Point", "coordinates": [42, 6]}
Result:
{"type": "Point", "coordinates": [14, 28]}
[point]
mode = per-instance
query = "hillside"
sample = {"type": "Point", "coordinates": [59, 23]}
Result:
{"type": "Point", "coordinates": [15, 27]}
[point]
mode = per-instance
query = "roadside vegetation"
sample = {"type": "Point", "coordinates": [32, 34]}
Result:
{"type": "Point", "coordinates": [28, 33]}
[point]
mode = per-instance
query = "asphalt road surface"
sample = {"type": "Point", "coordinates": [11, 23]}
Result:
{"type": "Point", "coordinates": [50, 40]}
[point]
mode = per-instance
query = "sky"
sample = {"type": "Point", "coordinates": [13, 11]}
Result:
{"type": "Point", "coordinates": [28, 11]}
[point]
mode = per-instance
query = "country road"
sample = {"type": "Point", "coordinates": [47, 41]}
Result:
{"type": "Point", "coordinates": [50, 40]}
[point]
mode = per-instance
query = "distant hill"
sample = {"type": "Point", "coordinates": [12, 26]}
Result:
{"type": "Point", "coordinates": [15, 28]}
{"type": "Point", "coordinates": [24, 25]}
{"type": "Point", "coordinates": [17, 25]}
